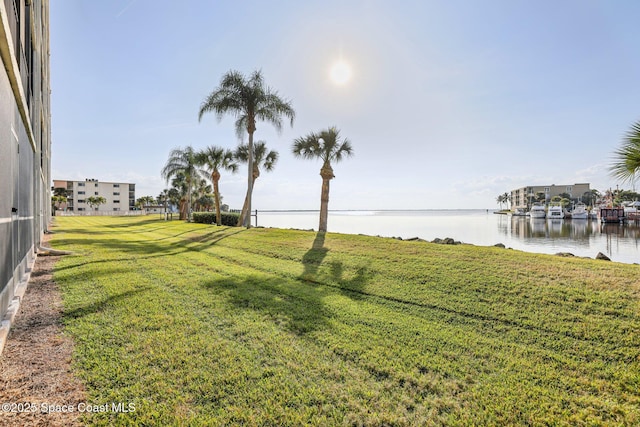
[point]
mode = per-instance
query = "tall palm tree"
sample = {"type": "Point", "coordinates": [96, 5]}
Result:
{"type": "Point", "coordinates": [249, 100]}
{"type": "Point", "coordinates": [212, 159]}
{"type": "Point", "coordinates": [182, 161]}
{"type": "Point", "coordinates": [262, 158]}
{"type": "Point", "coordinates": [328, 146]}
{"type": "Point", "coordinates": [627, 158]}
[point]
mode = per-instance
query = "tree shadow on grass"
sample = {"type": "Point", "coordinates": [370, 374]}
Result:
{"type": "Point", "coordinates": [289, 304]}
{"type": "Point", "coordinates": [336, 274]}
{"type": "Point", "coordinates": [97, 306]}
{"type": "Point", "coordinates": [126, 222]}
{"type": "Point", "coordinates": [353, 287]}
{"type": "Point", "coordinates": [298, 303]}
{"type": "Point", "coordinates": [314, 257]}
{"type": "Point", "coordinates": [145, 249]}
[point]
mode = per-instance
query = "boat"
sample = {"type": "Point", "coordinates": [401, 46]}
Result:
{"type": "Point", "coordinates": [518, 212]}
{"type": "Point", "coordinates": [631, 211]}
{"type": "Point", "coordinates": [555, 212]}
{"type": "Point", "coordinates": [632, 214]}
{"type": "Point", "coordinates": [611, 215]}
{"type": "Point", "coordinates": [579, 211]}
{"type": "Point", "coordinates": [537, 211]}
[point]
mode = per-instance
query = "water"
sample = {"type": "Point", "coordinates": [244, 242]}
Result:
{"type": "Point", "coordinates": [477, 227]}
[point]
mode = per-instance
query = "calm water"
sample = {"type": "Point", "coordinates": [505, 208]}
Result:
{"type": "Point", "coordinates": [478, 227]}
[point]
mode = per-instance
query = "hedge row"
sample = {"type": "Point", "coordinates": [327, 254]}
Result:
{"type": "Point", "coordinates": [230, 219]}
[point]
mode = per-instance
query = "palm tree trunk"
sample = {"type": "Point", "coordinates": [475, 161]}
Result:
{"type": "Point", "coordinates": [216, 192]}
{"type": "Point", "coordinates": [189, 200]}
{"type": "Point", "coordinates": [245, 213]}
{"type": "Point", "coordinates": [183, 209]}
{"type": "Point", "coordinates": [215, 177]}
{"type": "Point", "coordinates": [327, 174]}
{"type": "Point", "coordinates": [247, 219]}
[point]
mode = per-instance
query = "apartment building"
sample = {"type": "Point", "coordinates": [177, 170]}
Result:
{"type": "Point", "coordinates": [119, 196]}
{"type": "Point", "coordinates": [25, 145]}
{"type": "Point", "coordinates": [524, 196]}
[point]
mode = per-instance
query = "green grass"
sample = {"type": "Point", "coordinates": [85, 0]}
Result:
{"type": "Point", "coordinates": [205, 325]}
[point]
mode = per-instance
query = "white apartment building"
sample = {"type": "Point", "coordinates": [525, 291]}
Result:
{"type": "Point", "coordinates": [524, 196]}
{"type": "Point", "coordinates": [119, 196]}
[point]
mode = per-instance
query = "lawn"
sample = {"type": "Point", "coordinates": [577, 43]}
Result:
{"type": "Point", "coordinates": [202, 325]}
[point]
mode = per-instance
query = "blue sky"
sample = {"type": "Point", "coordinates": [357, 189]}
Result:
{"type": "Point", "coordinates": [450, 103]}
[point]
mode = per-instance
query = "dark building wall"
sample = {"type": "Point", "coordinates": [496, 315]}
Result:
{"type": "Point", "coordinates": [25, 141]}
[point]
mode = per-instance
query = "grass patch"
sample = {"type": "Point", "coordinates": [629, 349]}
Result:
{"type": "Point", "coordinates": [205, 325]}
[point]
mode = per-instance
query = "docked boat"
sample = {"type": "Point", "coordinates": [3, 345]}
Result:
{"type": "Point", "coordinates": [631, 211]}
{"type": "Point", "coordinates": [611, 215]}
{"type": "Point", "coordinates": [555, 212]}
{"type": "Point", "coordinates": [632, 214]}
{"type": "Point", "coordinates": [518, 212]}
{"type": "Point", "coordinates": [537, 211]}
{"type": "Point", "coordinates": [579, 211]}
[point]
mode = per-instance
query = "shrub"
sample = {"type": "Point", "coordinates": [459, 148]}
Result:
{"type": "Point", "coordinates": [230, 219]}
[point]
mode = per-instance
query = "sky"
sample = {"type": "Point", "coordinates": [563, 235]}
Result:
{"type": "Point", "coordinates": [448, 105]}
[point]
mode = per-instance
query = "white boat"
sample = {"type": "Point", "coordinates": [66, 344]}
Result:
{"type": "Point", "coordinates": [555, 212]}
{"type": "Point", "coordinates": [579, 211]}
{"type": "Point", "coordinates": [518, 212]}
{"type": "Point", "coordinates": [537, 211]}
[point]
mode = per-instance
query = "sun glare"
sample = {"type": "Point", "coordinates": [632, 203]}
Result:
{"type": "Point", "coordinates": [340, 73]}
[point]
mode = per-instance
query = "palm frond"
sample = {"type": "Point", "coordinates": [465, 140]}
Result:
{"type": "Point", "coordinates": [326, 145]}
{"type": "Point", "coordinates": [626, 159]}
{"type": "Point", "coordinates": [263, 158]}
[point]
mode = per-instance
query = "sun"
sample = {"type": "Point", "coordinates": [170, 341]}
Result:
{"type": "Point", "coordinates": [340, 73]}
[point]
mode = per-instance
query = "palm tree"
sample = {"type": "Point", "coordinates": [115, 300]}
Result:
{"type": "Point", "coordinates": [203, 195]}
{"type": "Point", "coordinates": [249, 100]}
{"type": "Point", "coordinates": [328, 147]}
{"type": "Point", "coordinates": [95, 201]}
{"type": "Point", "coordinates": [182, 161]}
{"type": "Point", "coordinates": [627, 157]}
{"type": "Point", "coordinates": [212, 159]}
{"type": "Point", "coordinates": [178, 195]}
{"type": "Point", "coordinates": [145, 201]}
{"type": "Point", "coordinates": [263, 158]}
{"type": "Point", "coordinates": [59, 196]}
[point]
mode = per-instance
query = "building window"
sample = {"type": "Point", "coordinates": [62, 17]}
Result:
{"type": "Point", "coordinates": [80, 192]}
{"type": "Point", "coordinates": [80, 200]}
{"type": "Point", "coordinates": [569, 189]}
{"type": "Point", "coordinates": [116, 201]}
{"type": "Point", "coordinates": [116, 209]}
{"type": "Point", "coordinates": [81, 184]}
{"type": "Point", "coordinates": [116, 185]}
{"type": "Point", "coordinates": [546, 189]}
{"type": "Point", "coordinates": [115, 193]}
{"type": "Point", "coordinates": [96, 184]}
{"type": "Point", "coordinates": [96, 193]}
{"type": "Point", "coordinates": [80, 209]}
